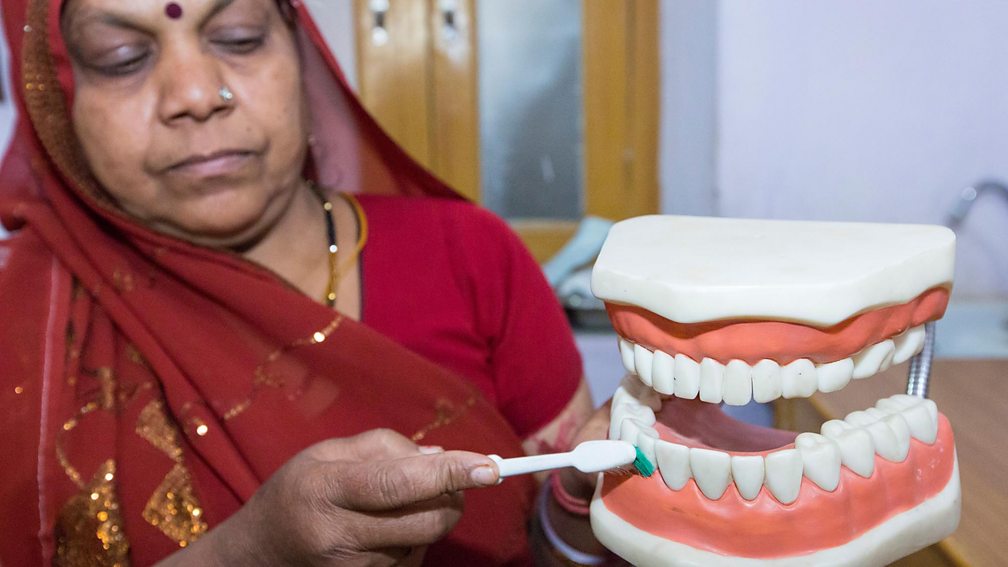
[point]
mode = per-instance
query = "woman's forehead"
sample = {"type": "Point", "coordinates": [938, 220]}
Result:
{"type": "Point", "coordinates": [150, 12]}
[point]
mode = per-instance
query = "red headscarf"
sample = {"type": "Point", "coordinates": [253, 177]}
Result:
{"type": "Point", "coordinates": [149, 386]}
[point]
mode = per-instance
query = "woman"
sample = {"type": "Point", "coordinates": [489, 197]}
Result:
{"type": "Point", "coordinates": [202, 349]}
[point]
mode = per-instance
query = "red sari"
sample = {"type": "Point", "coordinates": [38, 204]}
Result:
{"type": "Point", "coordinates": [149, 386]}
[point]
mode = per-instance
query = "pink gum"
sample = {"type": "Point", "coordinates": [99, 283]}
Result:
{"type": "Point", "coordinates": [765, 528]}
{"type": "Point", "coordinates": [783, 342]}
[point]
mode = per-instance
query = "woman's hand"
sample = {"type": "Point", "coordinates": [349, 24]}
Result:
{"type": "Point", "coordinates": [373, 499]}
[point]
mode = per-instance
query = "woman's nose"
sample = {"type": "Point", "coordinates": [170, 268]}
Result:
{"type": "Point", "coordinates": [192, 87]}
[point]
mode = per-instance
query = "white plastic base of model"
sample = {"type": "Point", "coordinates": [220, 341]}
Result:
{"type": "Point", "coordinates": [899, 536]}
{"type": "Point", "coordinates": [692, 269]}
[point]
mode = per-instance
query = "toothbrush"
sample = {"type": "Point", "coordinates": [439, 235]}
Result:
{"type": "Point", "coordinates": [587, 457]}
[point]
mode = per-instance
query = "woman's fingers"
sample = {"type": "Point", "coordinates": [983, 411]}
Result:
{"type": "Point", "coordinates": [372, 445]}
{"type": "Point", "coordinates": [417, 525]}
{"type": "Point", "coordinates": [382, 485]}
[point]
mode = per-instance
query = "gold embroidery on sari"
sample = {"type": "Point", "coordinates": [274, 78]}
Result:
{"type": "Point", "coordinates": [47, 106]}
{"type": "Point", "coordinates": [261, 376]}
{"type": "Point", "coordinates": [68, 426]}
{"type": "Point", "coordinates": [154, 427]}
{"type": "Point", "coordinates": [107, 383]}
{"type": "Point", "coordinates": [174, 507]}
{"type": "Point", "coordinates": [88, 529]}
{"type": "Point", "coordinates": [446, 412]}
{"type": "Point", "coordinates": [73, 355]}
{"type": "Point", "coordinates": [135, 357]}
{"type": "Point", "coordinates": [123, 281]}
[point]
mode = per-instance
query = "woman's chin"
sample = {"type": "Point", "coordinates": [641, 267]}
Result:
{"type": "Point", "coordinates": [230, 231]}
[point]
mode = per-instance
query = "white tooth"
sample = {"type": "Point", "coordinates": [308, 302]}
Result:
{"type": "Point", "coordinates": [877, 412]}
{"type": "Point", "coordinates": [617, 413]}
{"type": "Point", "coordinates": [889, 406]}
{"type": "Point", "coordinates": [908, 344]}
{"type": "Point", "coordinates": [737, 383]}
{"type": "Point", "coordinates": [632, 389]}
{"type": "Point", "coordinates": [711, 470]}
{"type": "Point", "coordinates": [860, 418]}
{"type": "Point", "coordinates": [920, 415]}
{"type": "Point", "coordinates": [673, 463]}
{"type": "Point", "coordinates": [903, 400]}
{"type": "Point", "coordinates": [633, 429]}
{"type": "Point", "coordinates": [663, 373]}
{"type": "Point", "coordinates": [687, 377]}
{"type": "Point", "coordinates": [835, 427]}
{"type": "Point", "coordinates": [626, 354]}
{"type": "Point", "coordinates": [897, 422]}
{"type": "Point", "coordinates": [821, 460]}
{"type": "Point", "coordinates": [886, 443]}
{"type": "Point", "coordinates": [766, 381]}
{"type": "Point", "coordinates": [641, 413]}
{"type": "Point", "coordinates": [784, 474]}
{"type": "Point", "coordinates": [899, 426]}
{"type": "Point", "coordinates": [643, 359]}
{"type": "Point", "coordinates": [798, 379]}
{"type": "Point", "coordinates": [748, 472]}
{"type": "Point", "coordinates": [624, 411]}
{"type": "Point", "coordinates": [646, 439]}
{"type": "Point", "coordinates": [628, 429]}
{"type": "Point", "coordinates": [834, 376]}
{"type": "Point", "coordinates": [621, 396]}
{"type": "Point", "coordinates": [856, 450]}
{"type": "Point", "coordinates": [932, 410]}
{"type": "Point", "coordinates": [887, 360]}
{"type": "Point", "coordinates": [922, 426]}
{"type": "Point", "coordinates": [873, 359]}
{"type": "Point", "coordinates": [892, 404]}
{"type": "Point", "coordinates": [711, 381]}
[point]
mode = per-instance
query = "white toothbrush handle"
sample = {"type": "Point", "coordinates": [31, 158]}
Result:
{"type": "Point", "coordinates": [535, 463]}
{"type": "Point", "coordinates": [588, 457]}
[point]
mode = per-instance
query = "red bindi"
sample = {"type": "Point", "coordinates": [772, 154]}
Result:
{"type": "Point", "coordinates": [173, 10]}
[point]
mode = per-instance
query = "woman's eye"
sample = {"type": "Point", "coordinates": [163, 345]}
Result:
{"type": "Point", "coordinates": [123, 63]}
{"type": "Point", "coordinates": [240, 44]}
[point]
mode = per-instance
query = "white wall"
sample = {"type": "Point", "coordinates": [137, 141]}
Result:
{"type": "Point", "coordinates": [854, 110]}
{"type": "Point", "coordinates": [687, 133]}
{"type": "Point", "coordinates": [7, 109]}
{"type": "Point", "coordinates": [335, 19]}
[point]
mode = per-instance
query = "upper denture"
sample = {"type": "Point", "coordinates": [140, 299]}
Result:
{"type": "Point", "coordinates": [783, 342]}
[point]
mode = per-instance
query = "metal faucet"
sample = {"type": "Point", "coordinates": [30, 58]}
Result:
{"type": "Point", "coordinates": [969, 195]}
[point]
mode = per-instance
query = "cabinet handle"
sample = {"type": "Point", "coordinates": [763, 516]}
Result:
{"type": "Point", "coordinates": [449, 19]}
{"type": "Point", "coordinates": [379, 33]}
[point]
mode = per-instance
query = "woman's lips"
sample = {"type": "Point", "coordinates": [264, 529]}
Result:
{"type": "Point", "coordinates": [217, 164]}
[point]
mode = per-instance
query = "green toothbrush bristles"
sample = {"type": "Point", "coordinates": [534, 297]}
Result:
{"type": "Point", "coordinates": [643, 464]}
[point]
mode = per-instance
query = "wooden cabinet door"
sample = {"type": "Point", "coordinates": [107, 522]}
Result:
{"type": "Point", "coordinates": [417, 64]}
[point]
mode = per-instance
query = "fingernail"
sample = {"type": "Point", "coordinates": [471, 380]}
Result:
{"type": "Point", "coordinates": [484, 475]}
{"type": "Point", "coordinates": [430, 449]}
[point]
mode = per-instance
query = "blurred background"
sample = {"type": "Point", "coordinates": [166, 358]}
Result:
{"type": "Point", "coordinates": [551, 111]}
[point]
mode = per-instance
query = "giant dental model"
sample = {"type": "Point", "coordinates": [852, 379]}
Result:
{"type": "Point", "coordinates": [714, 311]}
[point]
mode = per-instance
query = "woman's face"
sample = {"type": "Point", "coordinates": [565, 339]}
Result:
{"type": "Point", "coordinates": [156, 130]}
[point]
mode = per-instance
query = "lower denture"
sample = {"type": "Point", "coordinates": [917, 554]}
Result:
{"type": "Point", "coordinates": [816, 520]}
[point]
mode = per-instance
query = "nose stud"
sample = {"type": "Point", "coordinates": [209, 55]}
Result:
{"type": "Point", "coordinates": [226, 94]}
